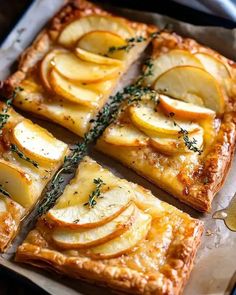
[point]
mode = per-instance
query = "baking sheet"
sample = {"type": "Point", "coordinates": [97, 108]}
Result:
{"type": "Point", "coordinates": [216, 258]}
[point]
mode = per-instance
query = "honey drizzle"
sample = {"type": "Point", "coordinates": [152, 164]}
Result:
{"type": "Point", "coordinates": [228, 214]}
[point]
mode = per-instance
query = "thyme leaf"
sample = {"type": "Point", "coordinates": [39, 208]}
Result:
{"type": "Point", "coordinates": [130, 44]}
{"type": "Point", "coordinates": [4, 192]}
{"type": "Point", "coordinates": [133, 40]}
{"type": "Point", "coordinates": [190, 144]}
{"type": "Point", "coordinates": [96, 193]}
{"type": "Point", "coordinates": [16, 150]}
{"type": "Point", "coordinates": [4, 116]}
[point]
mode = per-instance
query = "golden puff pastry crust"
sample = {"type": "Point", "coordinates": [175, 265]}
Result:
{"type": "Point", "coordinates": [192, 178]}
{"type": "Point", "coordinates": [158, 264]}
{"type": "Point", "coordinates": [47, 104]}
{"type": "Point", "coordinates": [9, 221]}
{"type": "Point", "coordinates": [23, 180]}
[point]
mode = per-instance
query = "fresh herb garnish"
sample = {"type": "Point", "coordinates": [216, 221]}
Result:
{"type": "Point", "coordinates": [130, 44]}
{"type": "Point", "coordinates": [106, 115]}
{"type": "Point", "coordinates": [4, 192]}
{"type": "Point", "coordinates": [4, 116]}
{"type": "Point", "coordinates": [190, 144]}
{"type": "Point", "coordinates": [96, 193]}
{"type": "Point", "coordinates": [134, 40]}
{"type": "Point", "coordinates": [16, 150]}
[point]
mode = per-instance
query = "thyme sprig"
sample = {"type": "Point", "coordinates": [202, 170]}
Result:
{"type": "Point", "coordinates": [16, 150]}
{"type": "Point", "coordinates": [96, 193]}
{"type": "Point", "coordinates": [4, 116]}
{"type": "Point", "coordinates": [4, 192]}
{"type": "Point", "coordinates": [105, 116]}
{"type": "Point", "coordinates": [190, 144]}
{"type": "Point", "coordinates": [130, 44]}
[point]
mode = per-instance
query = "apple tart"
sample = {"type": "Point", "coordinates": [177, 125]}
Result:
{"type": "Point", "coordinates": [75, 64]}
{"type": "Point", "coordinates": [29, 157]}
{"type": "Point", "coordinates": [182, 135]}
{"type": "Point", "coordinates": [106, 230]}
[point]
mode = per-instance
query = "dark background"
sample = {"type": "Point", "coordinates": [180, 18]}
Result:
{"type": "Point", "coordinates": [12, 10]}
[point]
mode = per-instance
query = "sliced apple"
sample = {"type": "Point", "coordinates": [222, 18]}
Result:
{"type": "Point", "coordinates": [17, 183]}
{"type": "Point", "coordinates": [77, 239]}
{"type": "Point", "coordinates": [173, 58]}
{"type": "Point", "coordinates": [109, 205]}
{"type": "Point", "coordinates": [214, 66]}
{"type": "Point", "coordinates": [98, 59]}
{"type": "Point", "coordinates": [76, 29]}
{"type": "Point", "coordinates": [124, 135]}
{"type": "Point", "coordinates": [184, 110]}
{"type": "Point", "coordinates": [75, 69]}
{"type": "Point", "coordinates": [38, 143]}
{"type": "Point", "coordinates": [100, 43]}
{"type": "Point", "coordinates": [74, 92]}
{"type": "Point", "coordinates": [173, 146]}
{"type": "Point", "coordinates": [126, 242]}
{"type": "Point", "coordinates": [186, 82]}
{"type": "Point", "coordinates": [145, 117]}
{"type": "Point", "coordinates": [46, 65]}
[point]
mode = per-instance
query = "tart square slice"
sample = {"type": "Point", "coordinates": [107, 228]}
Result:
{"type": "Point", "coordinates": [113, 232]}
{"type": "Point", "coordinates": [29, 157]}
{"type": "Point", "coordinates": [75, 64]}
{"type": "Point", "coordinates": [181, 134]}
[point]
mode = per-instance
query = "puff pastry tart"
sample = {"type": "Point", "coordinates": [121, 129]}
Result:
{"type": "Point", "coordinates": [107, 230]}
{"type": "Point", "coordinates": [71, 69]}
{"type": "Point", "coordinates": [29, 156]}
{"type": "Point", "coordinates": [182, 135]}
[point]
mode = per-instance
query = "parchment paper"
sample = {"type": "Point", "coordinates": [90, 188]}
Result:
{"type": "Point", "coordinates": [216, 258]}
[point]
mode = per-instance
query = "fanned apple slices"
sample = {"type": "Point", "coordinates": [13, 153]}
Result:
{"type": "Point", "coordinates": [178, 142]}
{"type": "Point", "coordinates": [182, 70]}
{"type": "Point", "coordinates": [186, 83]}
{"type": "Point", "coordinates": [138, 245]}
{"type": "Point", "coordinates": [29, 156]}
{"type": "Point", "coordinates": [79, 66]}
{"type": "Point", "coordinates": [152, 125]}
{"type": "Point", "coordinates": [78, 28]}
{"type": "Point", "coordinates": [111, 225]}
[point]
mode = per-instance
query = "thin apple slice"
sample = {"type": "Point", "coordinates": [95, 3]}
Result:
{"type": "Point", "coordinates": [38, 143]}
{"type": "Point", "coordinates": [145, 117]}
{"type": "Point", "coordinates": [17, 183]}
{"type": "Point", "coordinates": [46, 65]}
{"type": "Point", "coordinates": [77, 239]}
{"type": "Point", "coordinates": [184, 110]}
{"type": "Point", "coordinates": [74, 92]}
{"type": "Point", "coordinates": [173, 146]}
{"type": "Point", "coordinates": [109, 205]}
{"type": "Point", "coordinates": [75, 69]}
{"type": "Point", "coordinates": [173, 58]}
{"type": "Point", "coordinates": [76, 29]}
{"type": "Point", "coordinates": [125, 242]}
{"type": "Point", "coordinates": [185, 82]}
{"type": "Point", "coordinates": [100, 43]}
{"type": "Point", "coordinates": [214, 66]}
{"type": "Point", "coordinates": [124, 135]}
{"type": "Point", "coordinates": [98, 59]}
